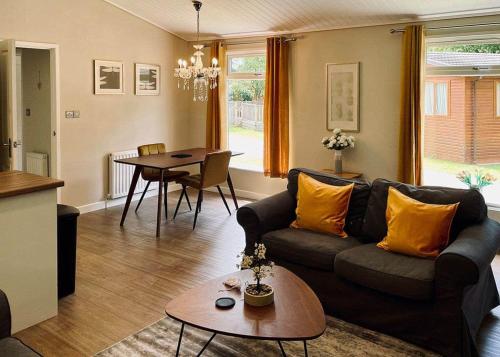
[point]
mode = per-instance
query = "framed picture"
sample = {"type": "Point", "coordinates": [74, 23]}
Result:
{"type": "Point", "coordinates": [342, 96]}
{"type": "Point", "coordinates": [108, 77]}
{"type": "Point", "coordinates": [147, 79]}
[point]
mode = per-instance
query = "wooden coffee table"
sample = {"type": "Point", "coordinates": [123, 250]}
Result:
{"type": "Point", "coordinates": [295, 315]}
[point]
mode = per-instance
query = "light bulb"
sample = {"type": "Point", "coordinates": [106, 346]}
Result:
{"type": "Point", "coordinates": [179, 62]}
{"type": "Point", "coordinates": [214, 62]}
{"type": "Point", "coordinates": [193, 60]}
{"type": "Point", "coordinates": [184, 63]}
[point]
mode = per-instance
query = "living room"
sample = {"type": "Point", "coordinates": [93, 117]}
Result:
{"type": "Point", "coordinates": [410, 89]}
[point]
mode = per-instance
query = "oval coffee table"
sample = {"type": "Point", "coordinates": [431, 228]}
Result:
{"type": "Point", "coordinates": [295, 315]}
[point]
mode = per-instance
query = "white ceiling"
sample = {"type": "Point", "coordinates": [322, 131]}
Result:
{"type": "Point", "coordinates": [237, 18]}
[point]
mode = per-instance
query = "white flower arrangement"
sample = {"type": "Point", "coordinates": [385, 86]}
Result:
{"type": "Point", "coordinates": [338, 141]}
{"type": "Point", "coordinates": [258, 263]}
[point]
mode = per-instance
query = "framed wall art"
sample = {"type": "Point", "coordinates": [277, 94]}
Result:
{"type": "Point", "coordinates": [147, 79]}
{"type": "Point", "coordinates": [342, 96]}
{"type": "Point", "coordinates": [108, 77]}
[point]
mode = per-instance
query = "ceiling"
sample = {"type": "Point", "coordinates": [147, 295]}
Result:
{"type": "Point", "coordinates": [239, 18]}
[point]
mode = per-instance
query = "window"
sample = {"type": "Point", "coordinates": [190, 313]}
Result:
{"type": "Point", "coordinates": [465, 146]}
{"type": "Point", "coordinates": [436, 98]}
{"type": "Point", "coordinates": [245, 108]}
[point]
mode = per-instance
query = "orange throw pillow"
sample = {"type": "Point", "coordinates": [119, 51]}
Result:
{"type": "Point", "coordinates": [321, 207]}
{"type": "Point", "coordinates": [416, 228]}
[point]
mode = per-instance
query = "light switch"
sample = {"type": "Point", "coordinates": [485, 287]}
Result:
{"type": "Point", "coordinates": [76, 114]}
{"type": "Point", "coordinates": [68, 114]}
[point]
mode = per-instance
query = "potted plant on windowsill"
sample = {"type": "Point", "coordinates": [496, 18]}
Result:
{"type": "Point", "coordinates": [258, 294]}
{"type": "Point", "coordinates": [338, 142]}
{"type": "Point", "coordinates": [476, 180]}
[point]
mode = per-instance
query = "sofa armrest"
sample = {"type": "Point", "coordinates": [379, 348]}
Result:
{"type": "Point", "coordinates": [271, 213]}
{"type": "Point", "coordinates": [5, 319]}
{"type": "Point", "coordinates": [470, 254]}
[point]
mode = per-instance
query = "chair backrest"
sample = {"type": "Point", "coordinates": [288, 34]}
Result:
{"type": "Point", "coordinates": [150, 149]}
{"type": "Point", "coordinates": [215, 168]}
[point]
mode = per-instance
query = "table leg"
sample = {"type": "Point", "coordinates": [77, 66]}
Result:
{"type": "Point", "coordinates": [282, 349]}
{"type": "Point", "coordinates": [231, 188]}
{"type": "Point", "coordinates": [305, 348]}
{"type": "Point", "coordinates": [160, 196]}
{"type": "Point", "coordinates": [179, 343]}
{"type": "Point", "coordinates": [206, 345]}
{"type": "Point", "coordinates": [131, 191]}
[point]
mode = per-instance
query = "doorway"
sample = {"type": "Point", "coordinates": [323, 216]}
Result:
{"type": "Point", "coordinates": [29, 107]}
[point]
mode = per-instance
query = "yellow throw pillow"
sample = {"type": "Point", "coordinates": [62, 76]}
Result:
{"type": "Point", "coordinates": [416, 228]}
{"type": "Point", "coordinates": [321, 207]}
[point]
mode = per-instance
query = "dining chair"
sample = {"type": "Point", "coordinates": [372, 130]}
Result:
{"type": "Point", "coordinates": [153, 175]}
{"type": "Point", "coordinates": [213, 172]}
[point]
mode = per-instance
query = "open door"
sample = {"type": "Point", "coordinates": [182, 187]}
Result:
{"type": "Point", "coordinates": [8, 110]}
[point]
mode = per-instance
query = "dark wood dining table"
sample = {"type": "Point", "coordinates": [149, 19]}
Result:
{"type": "Point", "coordinates": [164, 162]}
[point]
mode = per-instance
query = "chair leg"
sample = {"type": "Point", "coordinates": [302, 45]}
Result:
{"type": "Point", "coordinates": [198, 207]}
{"type": "Point", "coordinates": [165, 191]}
{"type": "Point", "coordinates": [142, 196]}
{"type": "Point", "coordinates": [187, 198]}
{"type": "Point", "coordinates": [180, 200]}
{"type": "Point", "coordinates": [223, 199]}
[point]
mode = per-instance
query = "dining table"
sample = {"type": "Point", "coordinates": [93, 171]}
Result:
{"type": "Point", "coordinates": [164, 162]}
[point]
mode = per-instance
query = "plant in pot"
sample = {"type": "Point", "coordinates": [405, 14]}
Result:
{"type": "Point", "coordinates": [338, 142]}
{"type": "Point", "coordinates": [476, 180]}
{"type": "Point", "coordinates": [258, 294]}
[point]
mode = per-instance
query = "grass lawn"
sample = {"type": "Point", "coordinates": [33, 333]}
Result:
{"type": "Point", "coordinates": [237, 130]}
{"type": "Point", "coordinates": [453, 168]}
{"type": "Point", "coordinates": [250, 142]}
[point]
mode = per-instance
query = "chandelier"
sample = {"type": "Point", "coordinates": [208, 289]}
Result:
{"type": "Point", "coordinates": [203, 78]}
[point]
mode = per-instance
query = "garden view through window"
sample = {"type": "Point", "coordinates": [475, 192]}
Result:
{"type": "Point", "coordinates": [245, 109]}
{"type": "Point", "coordinates": [461, 131]}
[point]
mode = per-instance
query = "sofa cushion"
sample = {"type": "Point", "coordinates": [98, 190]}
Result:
{"type": "Point", "coordinates": [311, 249]}
{"type": "Point", "coordinates": [11, 346]}
{"type": "Point", "coordinates": [391, 273]}
{"type": "Point", "coordinates": [471, 210]}
{"type": "Point", "coordinates": [357, 203]}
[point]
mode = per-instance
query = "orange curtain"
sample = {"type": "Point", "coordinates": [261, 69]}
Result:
{"type": "Point", "coordinates": [410, 139]}
{"type": "Point", "coordinates": [276, 146]}
{"type": "Point", "coordinates": [216, 134]}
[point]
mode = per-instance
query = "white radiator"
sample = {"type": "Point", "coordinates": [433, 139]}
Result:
{"type": "Point", "coordinates": [37, 163]}
{"type": "Point", "coordinates": [120, 175]}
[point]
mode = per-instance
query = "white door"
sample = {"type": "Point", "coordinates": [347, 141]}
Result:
{"type": "Point", "coordinates": [8, 107]}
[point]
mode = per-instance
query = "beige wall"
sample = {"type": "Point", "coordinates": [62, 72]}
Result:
{"type": "Point", "coordinates": [93, 29]}
{"type": "Point", "coordinates": [36, 126]}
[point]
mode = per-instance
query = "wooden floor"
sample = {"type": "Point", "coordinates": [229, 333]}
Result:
{"type": "Point", "coordinates": [126, 276]}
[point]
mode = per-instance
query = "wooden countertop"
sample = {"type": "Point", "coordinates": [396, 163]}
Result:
{"type": "Point", "coordinates": [13, 183]}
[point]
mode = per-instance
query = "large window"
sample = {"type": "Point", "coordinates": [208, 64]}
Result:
{"type": "Point", "coordinates": [463, 83]}
{"type": "Point", "coordinates": [245, 108]}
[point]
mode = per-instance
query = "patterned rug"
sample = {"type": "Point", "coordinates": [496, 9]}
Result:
{"type": "Point", "coordinates": [340, 339]}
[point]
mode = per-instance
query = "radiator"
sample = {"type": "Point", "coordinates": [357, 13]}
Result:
{"type": "Point", "coordinates": [37, 163]}
{"type": "Point", "coordinates": [120, 175]}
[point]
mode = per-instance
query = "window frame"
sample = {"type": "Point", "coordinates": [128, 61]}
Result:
{"type": "Point", "coordinates": [435, 81]}
{"type": "Point", "coordinates": [247, 52]}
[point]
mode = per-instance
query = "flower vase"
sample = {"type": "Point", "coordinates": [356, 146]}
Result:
{"type": "Point", "coordinates": [338, 162]}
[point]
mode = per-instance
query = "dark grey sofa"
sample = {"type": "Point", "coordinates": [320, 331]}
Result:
{"type": "Point", "coordinates": [435, 303]}
{"type": "Point", "coordinates": [10, 346]}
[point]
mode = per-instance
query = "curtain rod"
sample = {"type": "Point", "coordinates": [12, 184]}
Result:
{"type": "Point", "coordinates": [286, 39]}
{"type": "Point", "coordinates": [451, 27]}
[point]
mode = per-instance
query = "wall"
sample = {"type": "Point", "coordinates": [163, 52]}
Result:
{"type": "Point", "coordinates": [93, 29]}
{"type": "Point", "coordinates": [36, 126]}
{"type": "Point", "coordinates": [376, 149]}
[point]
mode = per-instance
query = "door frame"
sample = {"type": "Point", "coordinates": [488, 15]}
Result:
{"type": "Point", "coordinates": [55, 105]}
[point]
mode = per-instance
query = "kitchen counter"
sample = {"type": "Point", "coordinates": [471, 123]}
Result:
{"type": "Point", "coordinates": [28, 246]}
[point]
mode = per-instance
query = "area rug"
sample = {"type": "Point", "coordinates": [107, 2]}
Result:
{"type": "Point", "coordinates": [340, 339]}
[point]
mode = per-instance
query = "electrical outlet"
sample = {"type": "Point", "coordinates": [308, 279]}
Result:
{"type": "Point", "coordinates": [76, 114]}
{"type": "Point", "coordinates": [69, 114]}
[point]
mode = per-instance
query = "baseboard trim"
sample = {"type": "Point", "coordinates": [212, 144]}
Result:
{"type": "Point", "coordinates": [241, 193]}
{"type": "Point", "coordinates": [96, 206]}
